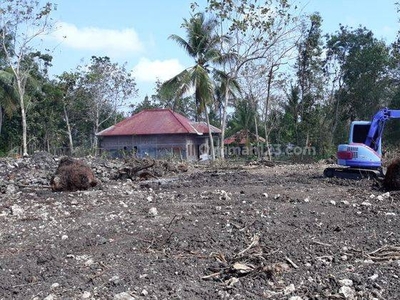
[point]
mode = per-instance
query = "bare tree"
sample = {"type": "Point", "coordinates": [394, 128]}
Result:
{"type": "Point", "coordinates": [107, 86]}
{"type": "Point", "coordinates": [23, 21]}
{"type": "Point", "coordinates": [257, 30]}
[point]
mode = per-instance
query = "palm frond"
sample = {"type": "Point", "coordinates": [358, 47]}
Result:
{"type": "Point", "coordinates": [184, 44]}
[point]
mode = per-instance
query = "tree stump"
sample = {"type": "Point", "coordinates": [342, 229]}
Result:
{"type": "Point", "coordinates": [72, 175]}
{"type": "Point", "coordinates": [392, 176]}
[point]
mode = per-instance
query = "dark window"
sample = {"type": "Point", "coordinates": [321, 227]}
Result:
{"type": "Point", "coordinates": [360, 133]}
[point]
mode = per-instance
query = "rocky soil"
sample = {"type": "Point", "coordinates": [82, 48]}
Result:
{"type": "Point", "coordinates": [259, 232]}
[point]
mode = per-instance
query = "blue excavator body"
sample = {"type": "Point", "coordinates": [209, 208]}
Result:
{"type": "Point", "coordinates": [362, 155]}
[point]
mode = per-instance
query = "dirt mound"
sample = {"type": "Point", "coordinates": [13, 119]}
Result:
{"type": "Point", "coordinates": [239, 232]}
{"type": "Point", "coordinates": [72, 175]}
{"type": "Point", "coordinates": [392, 176]}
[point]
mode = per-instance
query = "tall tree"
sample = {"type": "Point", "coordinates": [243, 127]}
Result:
{"type": "Point", "coordinates": [364, 61]}
{"type": "Point", "coordinates": [25, 21]}
{"type": "Point", "coordinates": [309, 65]}
{"type": "Point", "coordinates": [203, 45]}
{"type": "Point", "coordinates": [262, 33]}
{"type": "Point", "coordinates": [106, 86]}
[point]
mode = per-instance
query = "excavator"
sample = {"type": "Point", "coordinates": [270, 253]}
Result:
{"type": "Point", "coordinates": [362, 156]}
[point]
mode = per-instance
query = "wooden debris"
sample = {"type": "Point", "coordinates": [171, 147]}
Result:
{"type": "Point", "coordinates": [385, 253]}
{"type": "Point", "coordinates": [254, 242]}
{"type": "Point", "coordinates": [135, 168]}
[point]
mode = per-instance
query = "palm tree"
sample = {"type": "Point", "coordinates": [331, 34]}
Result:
{"type": "Point", "coordinates": [203, 45]}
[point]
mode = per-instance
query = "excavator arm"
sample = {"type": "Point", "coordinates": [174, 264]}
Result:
{"type": "Point", "coordinates": [377, 125]}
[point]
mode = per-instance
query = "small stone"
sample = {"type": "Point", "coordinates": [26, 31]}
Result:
{"type": "Point", "coordinates": [347, 292]}
{"type": "Point", "coordinates": [123, 296]}
{"type": "Point", "coordinates": [373, 277]}
{"type": "Point", "coordinates": [17, 210]}
{"type": "Point", "coordinates": [224, 196]}
{"type": "Point", "coordinates": [265, 195]}
{"type": "Point", "coordinates": [115, 279]}
{"type": "Point", "coordinates": [89, 262]}
{"type": "Point", "coordinates": [86, 295]}
{"type": "Point", "coordinates": [101, 240]}
{"type": "Point", "coordinates": [153, 212]}
{"type": "Point", "coordinates": [346, 282]}
{"type": "Point", "coordinates": [64, 237]}
{"type": "Point", "coordinates": [11, 189]}
{"type": "Point", "coordinates": [144, 292]}
{"type": "Point", "coordinates": [55, 285]}
{"type": "Point", "coordinates": [306, 200]}
{"type": "Point", "coordinates": [332, 202]}
{"type": "Point", "coordinates": [289, 289]}
{"type": "Point", "coordinates": [50, 297]}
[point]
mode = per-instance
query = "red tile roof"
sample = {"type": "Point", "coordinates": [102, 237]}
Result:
{"type": "Point", "coordinates": [156, 121]}
{"type": "Point", "coordinates": [241, 137]}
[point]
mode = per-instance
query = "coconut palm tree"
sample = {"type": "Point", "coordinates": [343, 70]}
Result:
{"type": "Point", "coordinates": [203, 45]}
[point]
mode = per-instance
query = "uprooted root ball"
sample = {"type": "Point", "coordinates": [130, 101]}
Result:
{"type": "Point", "coordinates": [392, 176]}
{"type": "Point", "coordinates": [72, 175]}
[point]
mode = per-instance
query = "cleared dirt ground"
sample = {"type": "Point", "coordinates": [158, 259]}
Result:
{"type": "Point", "coordinates": [282, 232]}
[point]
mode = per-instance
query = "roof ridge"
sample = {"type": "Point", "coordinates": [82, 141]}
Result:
{"type": "Point", "coordinates": [175, 116]}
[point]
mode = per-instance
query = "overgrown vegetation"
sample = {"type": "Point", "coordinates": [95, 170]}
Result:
{"type": "Point", "coordinates": [259, 66]}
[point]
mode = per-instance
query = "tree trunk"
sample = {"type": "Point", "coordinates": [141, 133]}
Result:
{"type": "Point", "coordinates": [1, 118]}
{"type": "Point", "coordinates": [257, 138]}
{"type": "Point", "coordinates": [24, 127]}
{"type": "Point", "coordinates": [210, 134]}
{"type": "Point", "coordinates": [223, 123]}
{"type": "Point", "coordinates": [69, 131]}
{"type": "Point", "coordinates": [266, 111]}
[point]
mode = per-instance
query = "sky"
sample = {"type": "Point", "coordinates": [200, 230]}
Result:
{"type": "Point", "coordinates": [136, 32]}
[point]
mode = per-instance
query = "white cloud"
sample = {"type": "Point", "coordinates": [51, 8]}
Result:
{"type": "Point", "coordinates": [92, 38]}
{"type": "Point", "coordinates": [149, 71]}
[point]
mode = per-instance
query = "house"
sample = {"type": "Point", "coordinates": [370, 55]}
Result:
{"type": "Point", "coordinates": [158, 133]}
{"type": "Point", "coordinates": [244, 143]}
{"type": "Point", "coordinates": [243, 138]}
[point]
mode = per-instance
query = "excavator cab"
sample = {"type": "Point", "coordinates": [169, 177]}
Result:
{"type": "Point", "coordinates": [356, 153]}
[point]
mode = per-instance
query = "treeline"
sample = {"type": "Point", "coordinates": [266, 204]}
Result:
{"type": "Point", "coordinates": [260, 67]}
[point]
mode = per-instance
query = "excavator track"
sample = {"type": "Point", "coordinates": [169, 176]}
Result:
{"type": "Point", "coordinates": [353, 173]}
